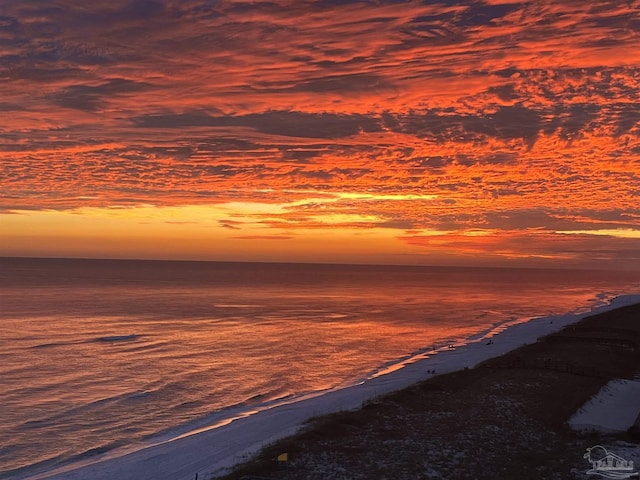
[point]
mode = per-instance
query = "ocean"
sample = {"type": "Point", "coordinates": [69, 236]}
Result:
{"type": "Point", "coordinates": [102, 355]}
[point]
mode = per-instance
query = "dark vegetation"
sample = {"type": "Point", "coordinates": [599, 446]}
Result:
{"type": "Point", "coordinates": [505, 419]}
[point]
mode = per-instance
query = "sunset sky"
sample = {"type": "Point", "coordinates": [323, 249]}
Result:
{"type": "Point", "coordinates": [483, 132]}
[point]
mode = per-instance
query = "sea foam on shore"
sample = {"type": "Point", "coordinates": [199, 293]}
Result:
{"type": "Point", "coordinates": [215, 448]}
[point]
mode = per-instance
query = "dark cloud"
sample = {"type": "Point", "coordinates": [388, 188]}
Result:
{"type": "Point", "coordinates": [94, 97]}
{"type": "Point", "coordinates": [285, 123]}
{"type": "Point", "coordinates": [8, 107]}
{"type": "Point", "coordinates": [479, 13]}
{"type": "Point", "coordinates": [505, 93]}
{"type": "Point", "coordinates": [355, 83]}
{"type": "Point", "coordinates": [509, 115]}
{"type": "Point", "coordinates": [300, 156]}
{"type": "Point", "coordinates": [628, 116]}
{"type": "Point", "coordinates": [500, 158]}
{"type": "Point", "coordinates": [233, 225]}
{"type": "Point", "coordinates": [507, 72]}
{"type": "Point", "coordinates": [557, 219]}
{"type": "Point", "coordinates": [143, 9]}
{"type": "Point", "coordinates": [577, 118]}
{"type": "Point", "coordinates": [517, 122]}
{"type": "Point", "coordinates": [435, 162]}
{"type": "Point", "coordinates": [431, 28]}
{"type": "Point", "coordinates": [396, 224]}
{"type": "Point", "coordinates": [507, 122]}
{"type": "Point", "coordinates": [320, 175]}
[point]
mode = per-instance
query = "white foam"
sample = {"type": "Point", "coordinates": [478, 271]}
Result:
{"type": "Point", "coordinates": [213, 449]}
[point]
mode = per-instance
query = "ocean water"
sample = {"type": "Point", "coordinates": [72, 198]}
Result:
{"type": "Point", "coordinates": [98, 355]}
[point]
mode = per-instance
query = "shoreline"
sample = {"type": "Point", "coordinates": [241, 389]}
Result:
{"type": "Point", "coordinates": [508, 418]}
{"type": "Point", "coordinates": [213, 450]}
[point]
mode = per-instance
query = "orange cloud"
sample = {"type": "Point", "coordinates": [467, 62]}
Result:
{"type": "Point", "coordinates": [362, 117]}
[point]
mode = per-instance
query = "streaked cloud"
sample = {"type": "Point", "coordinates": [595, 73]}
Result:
{"type": "Point", "coordinates": [391, 118]}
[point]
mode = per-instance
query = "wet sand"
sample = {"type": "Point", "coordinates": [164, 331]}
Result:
{"type": "Point", "coordinates": [504, 419]}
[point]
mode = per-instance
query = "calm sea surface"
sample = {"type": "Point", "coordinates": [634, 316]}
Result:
{"type": "Point", "coordinates": [96, 355]}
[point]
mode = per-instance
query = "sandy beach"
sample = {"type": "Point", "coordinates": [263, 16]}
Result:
{"type": "Point", "coordinates": [521, 398]}
{"type": "Point", "coordinates": [505, 419]}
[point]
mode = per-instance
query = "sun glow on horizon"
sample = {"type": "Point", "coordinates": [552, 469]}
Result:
{"type": "Point", "coordinates": [480, 133]}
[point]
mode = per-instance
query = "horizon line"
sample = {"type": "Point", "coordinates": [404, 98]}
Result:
{"type": "Point", "coordinates": [317, 263]}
